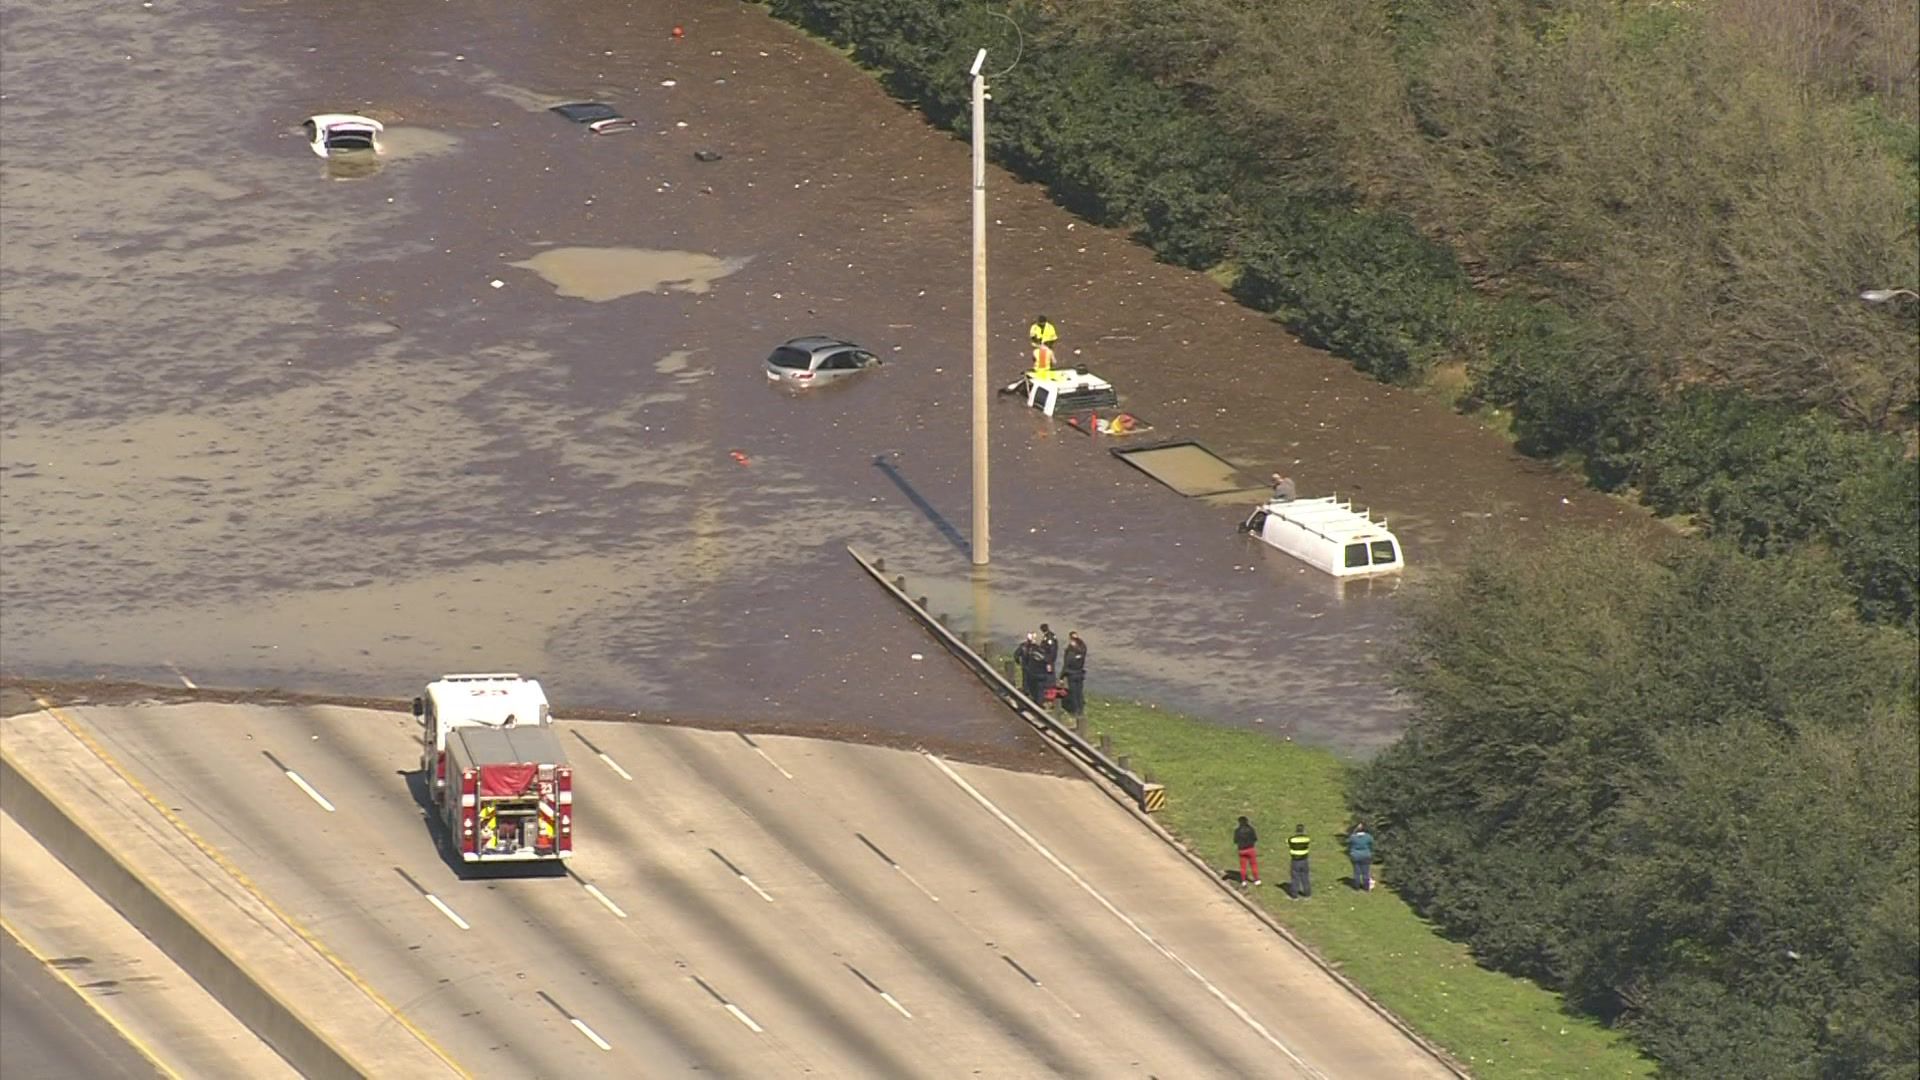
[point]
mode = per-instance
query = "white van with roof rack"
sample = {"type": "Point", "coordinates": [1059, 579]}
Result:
{"type": "Point", "coordinates": [1329, 535]}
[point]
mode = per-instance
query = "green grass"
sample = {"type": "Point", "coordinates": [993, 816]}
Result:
{"type": "Point", "coordinates": [1499, 1026]}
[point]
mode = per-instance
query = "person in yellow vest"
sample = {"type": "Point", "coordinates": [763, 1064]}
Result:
{"type": "Point", "coordinates": [1042, 332]}
{"type": "Point", "coordinates": [1042, 360]}
{"type": "Point", "coordinates": [1298, 844]}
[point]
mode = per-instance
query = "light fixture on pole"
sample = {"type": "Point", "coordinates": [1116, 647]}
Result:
{"type": "Point", "coordinates": [980, 527]}
{"type": "Point", "coordinates": [1881, 296]}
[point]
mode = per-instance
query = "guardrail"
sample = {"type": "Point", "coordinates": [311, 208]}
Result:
{"type": "Point", "coordinates": [1116, 769]}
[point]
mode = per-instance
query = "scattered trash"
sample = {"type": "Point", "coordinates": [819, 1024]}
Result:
{"type": "Point", "coordinates": [739, 457]}
{"type": "Point", "coordinates": [599, 117]}
{"type": "Point", "coordinates": [679, 32]}
{"type": "Point", "coordinates": [668, 82]}
{"type": "Point", "coordinates": [680, 124]}
{"type": "Point", "coordinates": [497, 283]}
{"type": "Point", "coordinates": [917, 656]}
{"type": "Point", "coordinates": [706, 155]}
{"type": "Point", "coordinates": [328, 133]}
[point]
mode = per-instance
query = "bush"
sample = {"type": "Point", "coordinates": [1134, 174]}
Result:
{"type": "Point", "coordinates": [1364, 284]}
{"type": "Point", "coordinates": [1680, 787]}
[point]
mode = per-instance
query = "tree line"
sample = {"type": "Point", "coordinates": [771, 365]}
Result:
{"type": "Point", "coordinates": [1641, 228]}
{"type": "Point", "coordinates": [1682, 788]}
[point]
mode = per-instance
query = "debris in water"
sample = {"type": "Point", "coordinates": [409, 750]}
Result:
{"type": "Point", "coordinates": [706, 155]}
{"type": "Point", "coordinates": [739, 457]}
{"type": "Point", "coordinates": [497, 283]}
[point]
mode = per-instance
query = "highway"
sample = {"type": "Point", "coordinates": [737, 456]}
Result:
{"type": "Point", "coordinates": [47, 1031]}
{"type": "Point", "coordinates": [757, 905]}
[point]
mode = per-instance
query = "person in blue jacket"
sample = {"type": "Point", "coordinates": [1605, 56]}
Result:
{"type": "Point", "coordinates": [1360, 851]}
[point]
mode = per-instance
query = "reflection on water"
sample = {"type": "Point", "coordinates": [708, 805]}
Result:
{"type": "Point", "coordinates": [601, 274]}
{"type": "Point", "coordinates": [352, 164]}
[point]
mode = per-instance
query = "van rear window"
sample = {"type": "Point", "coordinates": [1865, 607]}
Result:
{"type": "Point", "coordinates": [1356, 555]}
{"type": "Point", "coordinates": [1383, 552]}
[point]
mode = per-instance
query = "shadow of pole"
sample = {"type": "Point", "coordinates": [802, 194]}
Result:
{"type": "Point", "coordinates": [947, 531]}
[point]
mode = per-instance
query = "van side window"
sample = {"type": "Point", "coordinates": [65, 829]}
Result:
{"type": "Point", "coordinates": [1356, 555]}
{"type": "Point", "coordinates": [1383, 552]}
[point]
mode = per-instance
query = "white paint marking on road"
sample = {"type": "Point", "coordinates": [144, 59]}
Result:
{"type": "Point", "coordinates": [772, 762]}
{"type": "Point", "coordinates": [1036, 845]}
{"type": "Point", "coordinates": [594, 891]}
{"type": "Point", "coordinates": [308, 788]}
{"type": "Point", "coordinates": [741, 1015]}
{"type": "Point", "coordinates": [184, 681]}
{"type": "Point", "coordinates": [888, 998]}
{"type": "Point", "coordinates": [764, 894]}
{"type": "Point", "coordinates": [916, 882]}
{"type": "Point", "coordinates": [591, 1034]}
{"type": "Point", "coordinates": [447, 911]}
{"type": "Point", "coordinates": [615, 766]}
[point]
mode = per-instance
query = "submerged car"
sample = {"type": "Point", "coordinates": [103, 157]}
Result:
{"type": "Point", "coordinates": [809, 361]}
{"type": "Point", "coordinates": [331, 133]}
{"type": "Point", "coordinates": [599, 117]}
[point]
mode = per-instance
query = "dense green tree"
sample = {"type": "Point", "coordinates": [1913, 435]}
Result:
{"type": "Point", "coordinates": [1685, 787]}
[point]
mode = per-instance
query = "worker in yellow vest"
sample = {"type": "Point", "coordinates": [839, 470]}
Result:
{"type": "Point", "coordinates": [1042, 332]}
{"type": "Point", "coordinates": [1042, 360]}
{"type": "Point", "coordinates": [489, 829]}
{"type": "Point", "coordinates": [1301, 886]}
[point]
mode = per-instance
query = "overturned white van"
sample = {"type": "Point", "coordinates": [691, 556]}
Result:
{"type": "Point", "coordinates": [1329, 535]}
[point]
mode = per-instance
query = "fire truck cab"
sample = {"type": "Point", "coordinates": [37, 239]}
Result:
{"type": "Point", "coordinates": [491, 700]}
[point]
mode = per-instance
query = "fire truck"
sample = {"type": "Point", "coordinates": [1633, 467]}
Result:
{"type": "Point", "coordinates": [496, 774]}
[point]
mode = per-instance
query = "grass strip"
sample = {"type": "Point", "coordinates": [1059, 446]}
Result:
{"type": "Point", "coordinates": [1499, 1025]}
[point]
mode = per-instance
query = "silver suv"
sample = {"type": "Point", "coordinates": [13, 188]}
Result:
{"type": "Point", "coordinates": [809, 361]}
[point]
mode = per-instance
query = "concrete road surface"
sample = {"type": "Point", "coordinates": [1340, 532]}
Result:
{"type": "Point", "coordinates": [89, 949]}
{"type": "Point", "coordinates": [764, 906]}
{"type": "Point", "coordinates": [46, 1030]}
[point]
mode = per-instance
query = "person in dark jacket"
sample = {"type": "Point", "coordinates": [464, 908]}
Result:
{"type": "Point", "coordinates": [1074, 669]}
{"type": "Point", "coordinates": [1051, 646]}
{"type": "Point", "coordinates": [1246, 840]}
{"type": "Point", "coordinates": [1360, 853]}
{"type": "Point", "coordinates": [1032, 660]}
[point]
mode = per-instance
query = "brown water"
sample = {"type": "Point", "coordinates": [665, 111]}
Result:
{"type": "Point", "coordinates": [281, 431]}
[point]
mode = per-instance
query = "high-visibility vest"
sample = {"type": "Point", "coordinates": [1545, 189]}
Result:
{"type": "Point", "coordinates": [1043, 333]}
{"type": "Point", "coordinates": [1042, 358]}
{"type": "Point", "coordinates": [1297, 846]}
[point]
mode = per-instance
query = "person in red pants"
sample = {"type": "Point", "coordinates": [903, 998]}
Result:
{"type": "Point", "coordinates": [1245, 839]}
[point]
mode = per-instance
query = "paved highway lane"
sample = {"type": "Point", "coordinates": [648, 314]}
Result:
{"type": "Point", "coordinates": [767, 905]}
{"type": "Point", "coordinates": [47, 1030]}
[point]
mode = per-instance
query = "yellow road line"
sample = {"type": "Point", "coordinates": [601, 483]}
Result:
{"type": "Point", "coordinates": [92, 1002]}
{"type": "Point", "coordinates": [244, 882]}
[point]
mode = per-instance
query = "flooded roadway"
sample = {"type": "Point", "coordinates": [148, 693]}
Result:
{"type": "Point", "coordinates": [272, 426]}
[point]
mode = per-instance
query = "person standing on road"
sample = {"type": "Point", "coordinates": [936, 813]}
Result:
{"type": "Point", "coordinates": [1042, 332]}
{"type": "Point", "coordinates": [1246, 840]}
{"type": "Point", "coordinates": [1297, 847]}
{"type": "Point", "coordinates": [1074, 668]}
{"type": "Point", "coordinates": [1360, 852]}
{"type": "Point", "coordinates": [1050, 645]}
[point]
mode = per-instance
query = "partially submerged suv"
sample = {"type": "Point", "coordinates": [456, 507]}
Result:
{"type": "Point", "coordinates": [809, 361]}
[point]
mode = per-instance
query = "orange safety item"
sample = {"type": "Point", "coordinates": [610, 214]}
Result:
{"type": "Point", "coordinates": [679, 32]}
{"type": "Point", "coordinates": [1042, 358]}
{"type": "Point", "coordinates": [739, 457]}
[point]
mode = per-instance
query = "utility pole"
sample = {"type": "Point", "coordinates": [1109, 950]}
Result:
{"type": "Point", "coordinates": [979, 310]}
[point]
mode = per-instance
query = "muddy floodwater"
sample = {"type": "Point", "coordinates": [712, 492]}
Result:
{"type": "Point", "coordinates": [496, 400]}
